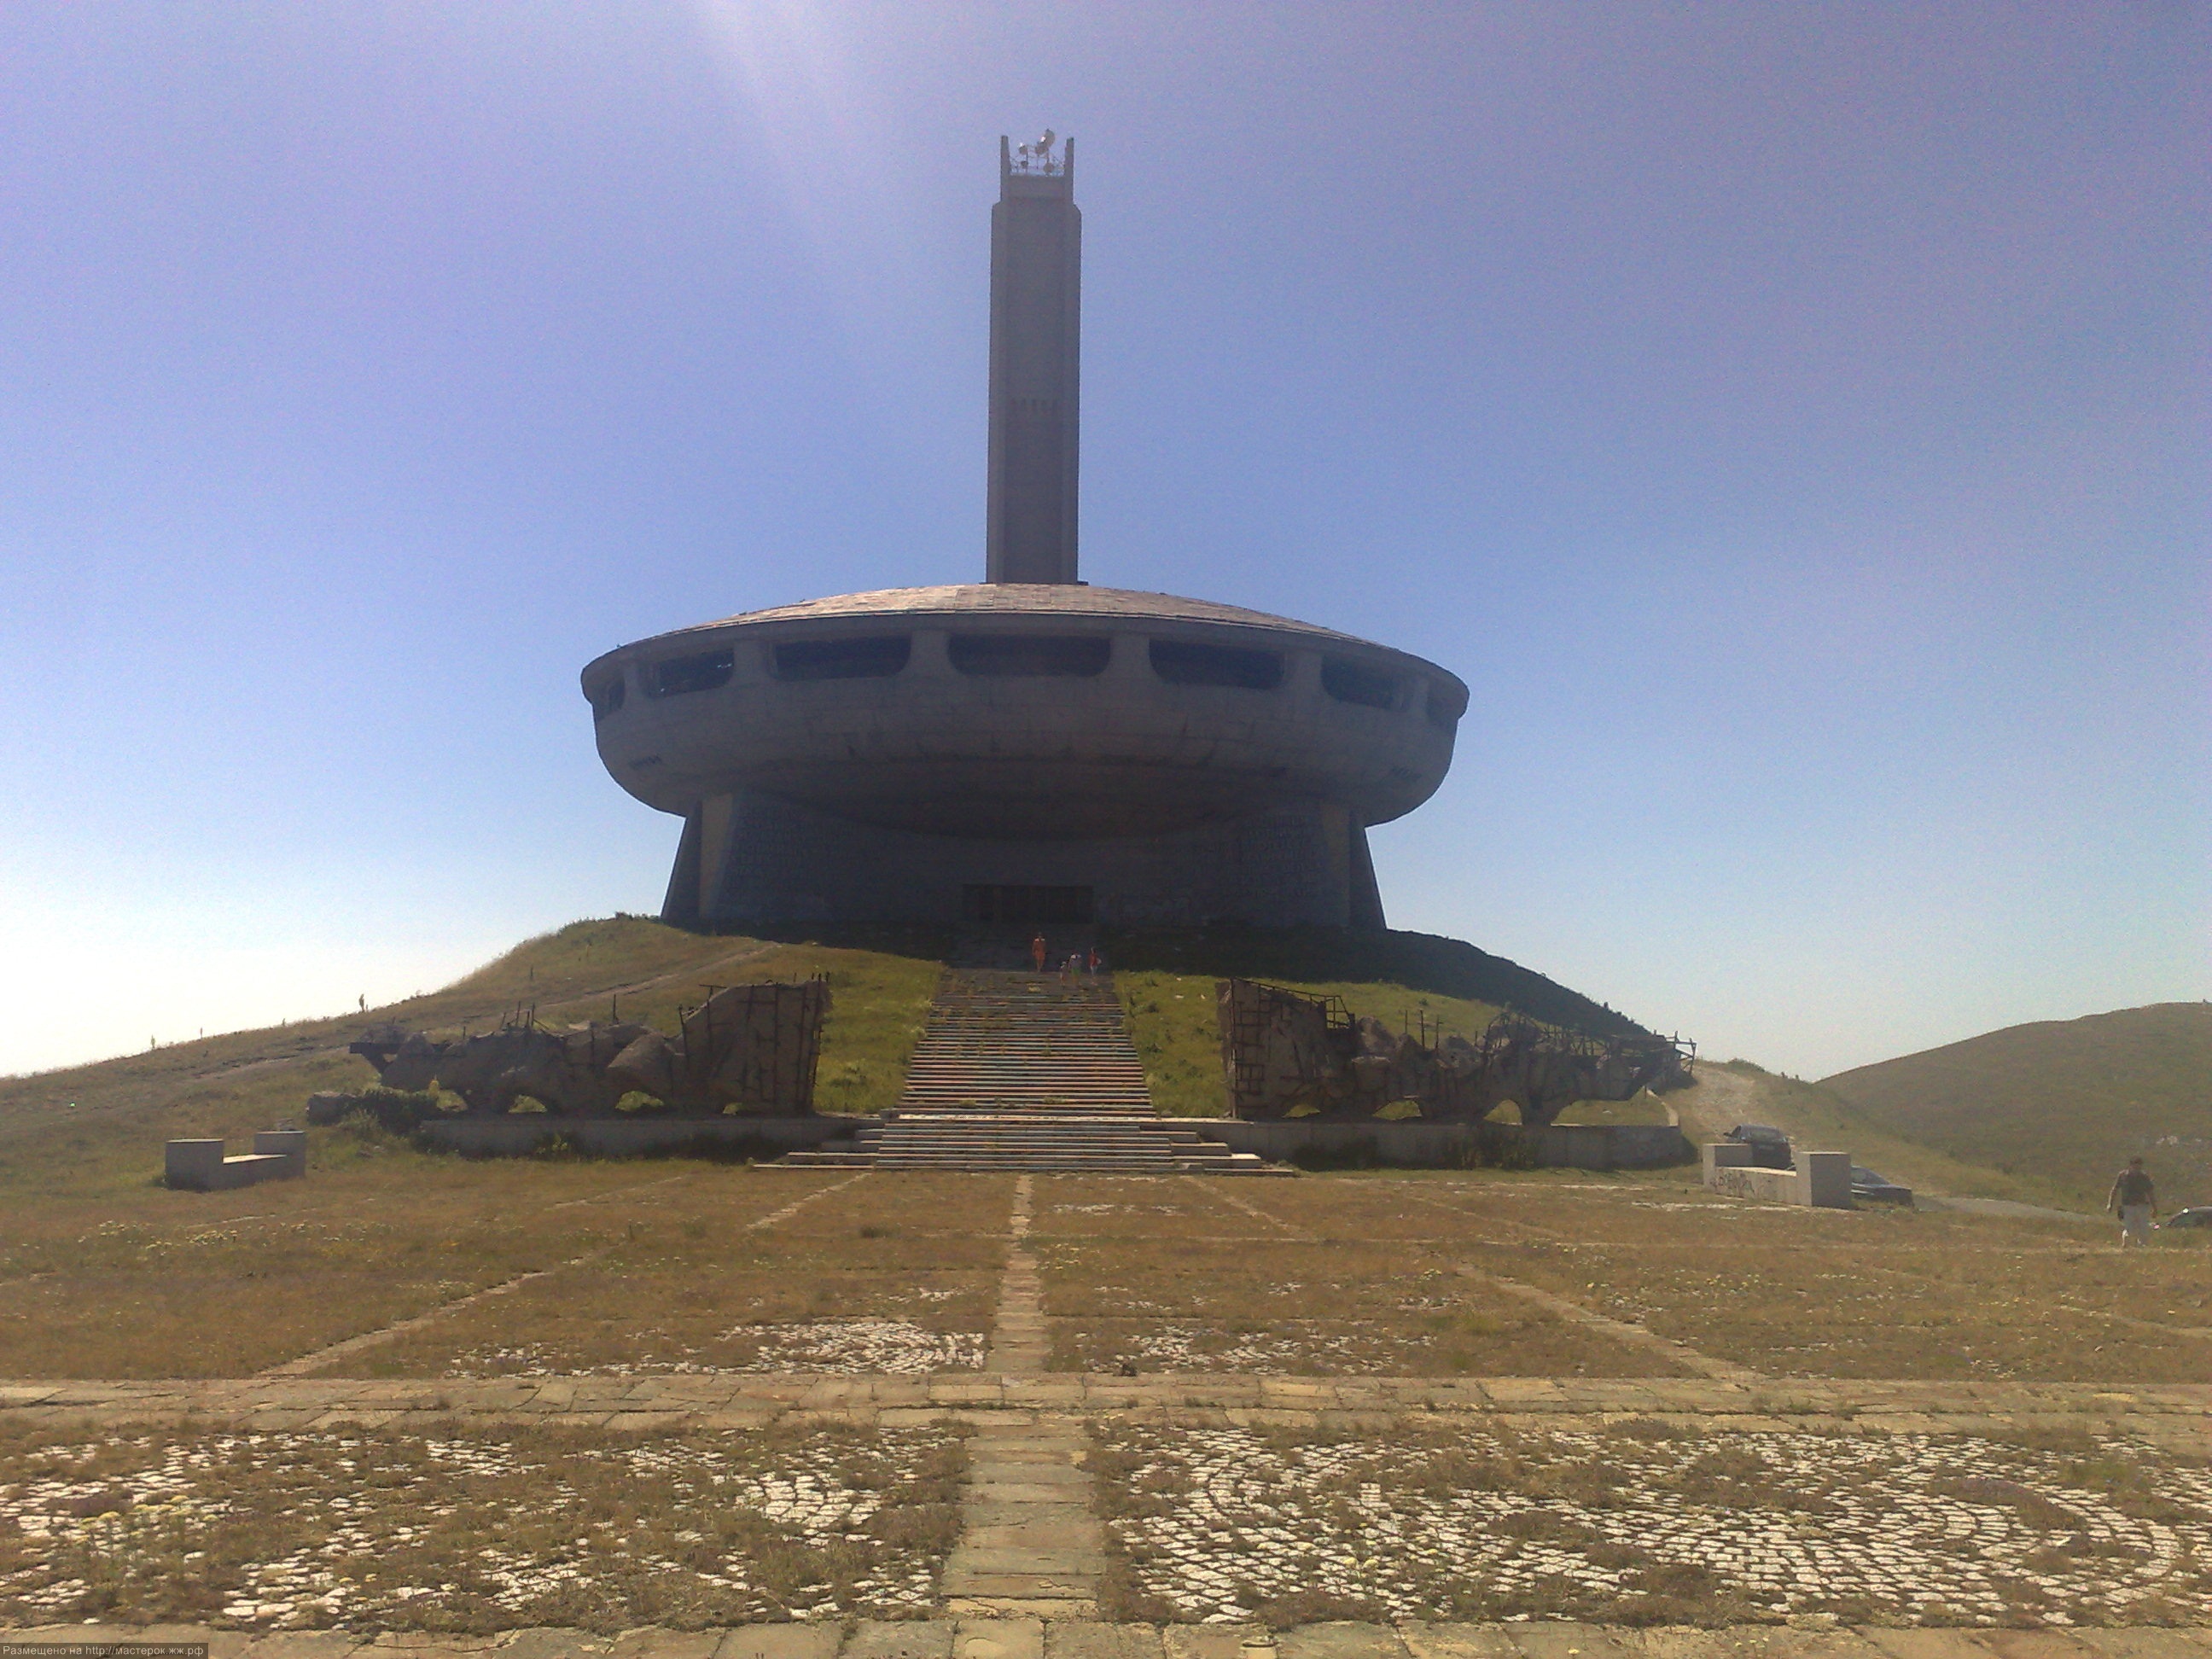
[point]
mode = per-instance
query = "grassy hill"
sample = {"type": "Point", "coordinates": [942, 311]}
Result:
{"type": "Point", "coordinates": [1167, 978]}
{"type": "Point", "coordinates": [87, 1128]}
{"type": "Point", "coordinates": [1418, 964]}
{"type": "Point", "coordinates": [2042, 1112]}
{"type": "Point", "coordinates": [2066, 1101]}
{"type": "Point", "coordinates": [91, 1125]}
{"type": "Point", "coordinates": [1729, 1092]}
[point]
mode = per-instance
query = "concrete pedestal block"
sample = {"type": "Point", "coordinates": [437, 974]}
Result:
{"type": "Point", "coordinates": [199, 1166]}
{"type": "Point", "coordinates": [1818, 1179]}
{"type": "Point", "coordinates": [1826, 1179]}
{"type": "Point", "coordinates": [193, 1165]}
{"type": "Point", "coordinates": [290, 1145]}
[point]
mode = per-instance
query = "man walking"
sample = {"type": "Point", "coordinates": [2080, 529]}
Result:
{"type": "Point", "coordinates": [1036, 951]}
{"type": "Point", "coordinates": [2135, 1200]}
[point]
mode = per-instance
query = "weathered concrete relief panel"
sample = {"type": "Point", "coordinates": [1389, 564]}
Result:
{"type": "Point", "coordinates": [1283, 1051]}
{"type": "Point", "coordinates": [748, 1048]}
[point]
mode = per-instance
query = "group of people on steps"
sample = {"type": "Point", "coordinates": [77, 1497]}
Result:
{"type": "Point", "coordinates": [1078, 965]}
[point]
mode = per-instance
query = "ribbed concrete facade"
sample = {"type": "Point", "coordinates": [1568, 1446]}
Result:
{"type": "Point", "coordinates": [753, 858]}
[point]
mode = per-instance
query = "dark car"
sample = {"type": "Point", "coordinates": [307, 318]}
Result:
{"type": "Point", "coordinates": [1868, 1188]}
{"type": "Point", "coordinates": [1769, 1147]}
{"type": "Point", "coordinates": [2197, 1215]}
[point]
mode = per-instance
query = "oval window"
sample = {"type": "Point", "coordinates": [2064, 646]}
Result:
{"type": "Point", "coordinates": [873, 657]}
{"type": "Point", "coordinates": [1355, 681]}
{"type": "Point", "coordinates": [1016, 656]}
{"type": "Point", "coordinates": [679, 675]}
{"type": "Point", "coordinates": [1180, 662]}
{"type": "Point", "coordinates": [1444, 705]}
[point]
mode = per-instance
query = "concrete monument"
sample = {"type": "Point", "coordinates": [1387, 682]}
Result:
{"type": "Point", "coordinates": [1028, 749]}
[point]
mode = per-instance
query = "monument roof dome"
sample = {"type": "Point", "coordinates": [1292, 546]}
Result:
{"type": "Point", "coordinates": [976, 600]}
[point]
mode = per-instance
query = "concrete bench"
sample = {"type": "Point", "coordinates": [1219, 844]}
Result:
{"type": "Point", "coordinates": [1821, 1180]}
{"type": "Point", "coordinates": [199, 1166]}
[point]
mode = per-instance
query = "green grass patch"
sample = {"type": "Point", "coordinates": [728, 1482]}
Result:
{"type": "Point", "coordinates": [1173, 1021]}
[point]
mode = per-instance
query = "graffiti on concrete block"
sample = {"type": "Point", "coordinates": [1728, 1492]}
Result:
{"type": "Point", "coordinates": [748, 1048]}
{"type": "Point", "coordinates": [1284, 1053]}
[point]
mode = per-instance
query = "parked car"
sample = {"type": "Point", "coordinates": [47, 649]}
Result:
{"type": "Point", "coordinates": [2197, 1215]}
{"type": "Point", "coordinates": [1769, 1147]}
{"type": "Point", "coordinates": [1868, 1188]}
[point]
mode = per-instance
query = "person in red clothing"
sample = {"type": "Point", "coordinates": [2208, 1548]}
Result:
{"type": "Point", "coordinates": [1036, 951]}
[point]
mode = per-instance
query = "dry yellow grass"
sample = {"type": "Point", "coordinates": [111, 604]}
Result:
{"type": "Point", "coordinates": [863, 1278]}
{"type": "Point", "coordinates": [1867, 1293]}
{"type": "Point", "coordinates": [1877, 1292]}
{"type": "Point", "coordinates": [1379, 1272]}
{"type": "Point", "coordinates": [1168, 1274]}
{"type": "Point", "coordinates": [156, 1284]}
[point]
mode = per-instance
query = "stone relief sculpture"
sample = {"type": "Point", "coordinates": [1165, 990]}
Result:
{"type": "Point", "coordinates": [1282, 1050]}
{"type": "Point", "coordinates": [748, 1048]}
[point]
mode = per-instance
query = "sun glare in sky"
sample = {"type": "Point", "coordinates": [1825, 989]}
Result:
{"type": "Point", "coordinates": [1788, 420]}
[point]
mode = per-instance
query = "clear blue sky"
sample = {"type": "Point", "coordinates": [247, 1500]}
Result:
{"type": "Point", "coordinates": [1788, 418]}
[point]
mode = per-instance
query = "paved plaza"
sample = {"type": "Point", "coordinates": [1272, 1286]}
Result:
{"type": "Point", "coordinates": [933, 1477]}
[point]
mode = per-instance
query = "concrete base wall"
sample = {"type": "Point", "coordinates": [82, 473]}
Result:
{"type": "Point", "coordinates": [1452, 1145]}
{"type": "Point", "coordinates": [1819, 1180]}
{"type": "Point", "coordinates": [605, 1137]}
{"type": "Point", "coordinates": [752, 858]}
{"type": "Point", "coordinates": [1409, 1146]}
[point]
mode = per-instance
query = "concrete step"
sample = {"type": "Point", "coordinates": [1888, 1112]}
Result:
{"type": "Point", "coordinates": [1238, 1164]}
{"type": "Point", "coordinates": [1030, 1072]}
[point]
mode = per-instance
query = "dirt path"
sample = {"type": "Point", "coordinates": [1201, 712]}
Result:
{"type": "Point", "coordinates": [1029, 1545]}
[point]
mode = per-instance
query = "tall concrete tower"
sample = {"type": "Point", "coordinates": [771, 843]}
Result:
{"type": "Point", "coordinates": [1028, 749]}
{"type": "Point", "coordinates": [1037, 309]}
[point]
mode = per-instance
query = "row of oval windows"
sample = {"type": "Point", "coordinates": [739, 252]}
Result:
{"type": "Point", "coordinates": [1179, 662]}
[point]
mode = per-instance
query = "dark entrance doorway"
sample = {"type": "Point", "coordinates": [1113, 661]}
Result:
{"type": "Point", "coordinates": [1059, 905]}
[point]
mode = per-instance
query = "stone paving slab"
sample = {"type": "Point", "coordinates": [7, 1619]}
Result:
{"type": "Point", "coordinates": [1458, 1642]}
{"type": "Point", "coordinates": [1075, 1638]}
{"type": "Point", "coordinates": [773, 1641]}
{"type": "Point", "coordinates": [2149, 1644]}
{"type": "Point", "coordinates": [999, 1639]}
{"type": "Point", "coordinates": [1026, 1637]}
{"type": "Point", "coordinates": [875, 1638]}
{"type": "Point", "coordinates": [1873, 1403]}
{"type": "Point", "coordinates": [1341, 1640]}
{"type": "Point", "coordinates": [1207, 1641]}
{"type": "Point", "coordinates": [672, 1644]}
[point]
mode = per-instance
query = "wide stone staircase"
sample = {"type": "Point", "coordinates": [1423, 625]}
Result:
{"type": "Point", "coordinates": [1027, 1071]}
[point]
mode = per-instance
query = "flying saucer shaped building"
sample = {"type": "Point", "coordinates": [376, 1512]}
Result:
{"type": "Point", "coordinates": [1028, 749]}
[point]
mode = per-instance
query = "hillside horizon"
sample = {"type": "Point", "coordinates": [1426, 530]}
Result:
{"type": "Point", "coordinates": [2044, 1109]}
{"type": "Point", "coordinates": [2072, 1099]}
